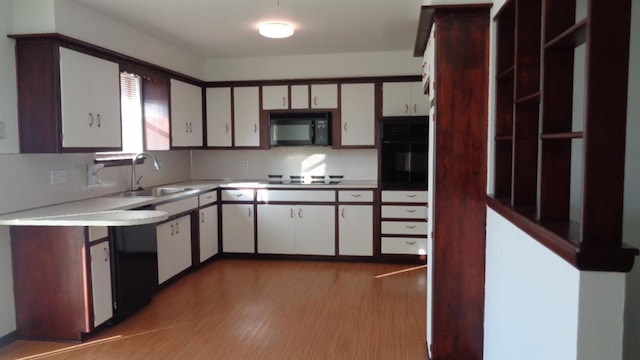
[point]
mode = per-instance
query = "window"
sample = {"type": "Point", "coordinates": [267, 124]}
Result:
{"type": "Point", "coordinates": [560, 126]}
{"type": "Point", "coordinates": [144, 104]}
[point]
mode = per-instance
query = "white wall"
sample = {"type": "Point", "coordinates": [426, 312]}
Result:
{"type": "Point", "coordinates": [313, 66]}
{"type": "Point", "coordinates": [220, 164]}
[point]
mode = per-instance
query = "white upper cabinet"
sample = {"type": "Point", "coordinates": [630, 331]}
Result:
{"type": "Point", "coordinates": [357, 108]}
{"type": "Point", "coordinates": [90, 101]}
{"type": "Point", "coordinates": [299, 96]}
{"type": "Point", "coordinates": [324, 96]}
{"type": "Point", "coordinates": [246, 119]}
{"type": "Point", "coordinates": [275, 97]}
{"type": "Point", "coordinates": [404, 99]}
{"type": "Point", "coordinates": [219, 117]}
{"type": "Point", "coordinates": [186, 114]}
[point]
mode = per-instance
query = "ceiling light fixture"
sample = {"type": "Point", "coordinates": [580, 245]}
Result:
{"type": "Point", "coordinates": [276, 30]}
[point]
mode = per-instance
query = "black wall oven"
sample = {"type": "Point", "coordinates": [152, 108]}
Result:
{"type": "Point", "coordinates": [404, 153]}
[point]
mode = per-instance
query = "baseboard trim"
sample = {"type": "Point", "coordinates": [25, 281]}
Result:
{"type": "Point", "coordinates": [9, 338]}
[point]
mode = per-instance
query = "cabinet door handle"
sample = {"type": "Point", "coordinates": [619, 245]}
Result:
{"type": "Point", "coordinates": [291, 215]}
{"type": "Point", "coordinates": [226, 128]}
{"type": "Point", "coordinates": [186, 127]}
{"type": "Point", "coordinates": [415, 108]}
{"type": "Point", "coordinates": [343, 214]}
{"type": "Point", "coordinates": [202, 218]}
{"type": "Point", "coordinates": [98, 116]}
{"type": "Point", "coordinates": [106, 254]}
{"type": "Point", "coordinates": [300, 213]}
{"type": "Point", "coordinates": [91, 119]}
{"type": "Point", "coordinates": [410, 226]}
{"type": "Point", "coordinates": [173, 230]}
{"type": "Point", "coordinates": [410, 242]}
{"type": "Point", "coordinates": [356, 195]}
{"type": "Point", "coordinates": [255, 128]}
{"type": "Point", "coordinates": [410, 211]}
{"type": "Point", "coordinates": [284, 101]}
{"type": "Point", "coordinates": [248, 212]}
{"type": "Point", "coordinates": [345, 127]}
{"type": "Point", "coordinates": [315, 100]}
{"type": "Point", "coordinates": [177, 229]}
{"type": "Point", "coordinates": [406, 108]}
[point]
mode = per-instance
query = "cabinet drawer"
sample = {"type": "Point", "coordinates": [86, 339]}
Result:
{"type": "Point", "coordinates": [207, 198]}
{"type": "Point", "coordinates": [98, 232]}
{"type": "Point", "coordinates": [355, 196]}
{"type": "Point", "coordinates": [237, 195]}
{"type": "Point", "coordinates": [404, 227]}
{"type": "Point", "coordinates": [405, 196]}
{"type": "Point", "coordinates": [404, 212]}
{"type": "Point", "coordinates": [179, 206]}
{"type": "Point", "coordinates": [408, 246]}
{"type": "Point", "coordinates": [297, 195]}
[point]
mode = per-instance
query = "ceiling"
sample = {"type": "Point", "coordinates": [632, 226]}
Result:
{"type": "Point", "coordinates": [228, 28]}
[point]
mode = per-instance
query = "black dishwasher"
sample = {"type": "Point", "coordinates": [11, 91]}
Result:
{"type": "Point", "coordinates": [135, 268]}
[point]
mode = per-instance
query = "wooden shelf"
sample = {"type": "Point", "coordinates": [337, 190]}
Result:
{"type": "Point", "coordinates": [504, 138]}
{"type": "Point", "coordinates": [562, 136]}
{"type": "Point", "coordinates": [528, 99]}
{"type": "Point", "coordinates": [571, 38]}
{"type": "Point", "coordinates": [507, 73]}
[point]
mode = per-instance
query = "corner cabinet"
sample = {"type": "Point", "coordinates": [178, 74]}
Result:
{"type": "Point", "coordinates": [186, 114]}
{"type": "Point", "coordinates": [68, 101]}
{"type": "Point", "coordinates": [53, 260]}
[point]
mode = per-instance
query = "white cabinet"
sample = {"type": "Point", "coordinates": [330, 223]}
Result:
{"type": "Point", "coordinates": [296, 229]}
{"type": "Point", "coordinates": [208, 218]}
{"type": "Point", "coordinates": [404, 99]}
{"type": "Point", "coordinates": [101, 283]}
{"type": "Point", "coordinates": [404, 222]}
{"type": "Point", "coordinates": [90, 101]}
{"type": "Point", "coordinates": [186, 114]}
{"type": "Point", "coordinates": [238, 228]}
{"type": "Point", "coordinates": [357, 108]}
{"type": "Point", "coordinates": [275, 97]}
{"type": "Point", "coordinates": [299, 96]}
{"type": "Point", "coordinates": [246, 118]}
{"type": "Point", "coordinates": [219, 117]}
{"type": "Point", "coordinates": [324, 96]}
{"type": "Point", "coordinates": [355, 230]}
{"type": "Point", "coordinates": [174, 247]}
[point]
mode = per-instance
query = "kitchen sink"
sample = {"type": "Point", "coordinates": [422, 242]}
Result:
{"type": "Point", "coordinates": [155, 192]}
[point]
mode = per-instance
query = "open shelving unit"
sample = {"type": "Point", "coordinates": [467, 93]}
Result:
{"type": "Point", "coordinates": [560, 123]}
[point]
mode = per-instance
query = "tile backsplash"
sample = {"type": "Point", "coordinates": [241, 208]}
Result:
{"type": "Point", "coordinates": [356, 164]}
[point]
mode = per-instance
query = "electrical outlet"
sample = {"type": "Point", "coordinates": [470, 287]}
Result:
{"type": "Point", "coordinates": [3, 130]}
{"type": "Point", "coordinates": [58, 176]}
{"type": "Point", "coordinates": [245, 164]}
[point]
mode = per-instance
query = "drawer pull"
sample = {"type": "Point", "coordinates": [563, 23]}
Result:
{"type": "Point", "coordinates": [411, 211]}
{"type": "Point", "coordinates": [238, 195]}
{"type": "Point", "coordinates": [410, 242]}
{"type": "Point", "coordinates": [410, 195]}
{"type": "Point", "coordinates": [356, 195]}
{"type": "Point", "coordinates": [410, 226]}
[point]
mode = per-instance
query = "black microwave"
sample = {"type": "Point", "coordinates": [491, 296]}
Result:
{"type": "Point", "coordinates": [291, 129]}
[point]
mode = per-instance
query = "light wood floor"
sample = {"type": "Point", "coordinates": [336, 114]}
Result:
{"type": "Point", "coordinates": [255, 309]}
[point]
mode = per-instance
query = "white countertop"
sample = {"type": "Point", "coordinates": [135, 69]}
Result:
{"type": "Point", "coordinates": [117, 211]}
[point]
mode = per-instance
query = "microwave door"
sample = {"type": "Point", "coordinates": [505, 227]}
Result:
{"type": "Point", "coordinates": [291, 133]}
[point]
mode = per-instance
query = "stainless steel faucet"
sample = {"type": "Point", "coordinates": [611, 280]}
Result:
{"type": "Point", "coordinates": [135, 182]}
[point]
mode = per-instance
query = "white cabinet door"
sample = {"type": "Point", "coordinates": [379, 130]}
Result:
{"type": "Point", "coordinates": [182, 244]}
{"type": "Point", "coordinates": [419, 101]}
{"type": "Point", "coordinates": [208, 232]}
{"type": "Point", "coordinates": [404, 99]}
{"type": "Point", "coordinates": [237, 228]}
{"type": "Point", "coordinates": [324, 96]}
{"type": "Point", "coordinates": [357, 108]}
{"type": "Point", "coordinates": [275, 97]}
{"type": "Point", "coordinates": [315, 230]}
{"type": "Point", "coordinates": [276, 229]}
{"type": "Point", "coordinates": [164, 238]}
{"type": "Point", "coordinates": [355, 230]}
{"type": "Point", "coordinates": [246, 118]}
{"type": "Point", "coordinates": [101, 283]}
{"type": "Point", "coordinates": [299, 96]}
{"type": "Point", "coordinates": [174, 247]}
{"type": "Point", "coordinates": [219, 117]}
{"type": "Point", "coordinates": [186, 114]}
{"type": "Point", "coordinates": [90, 101]}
